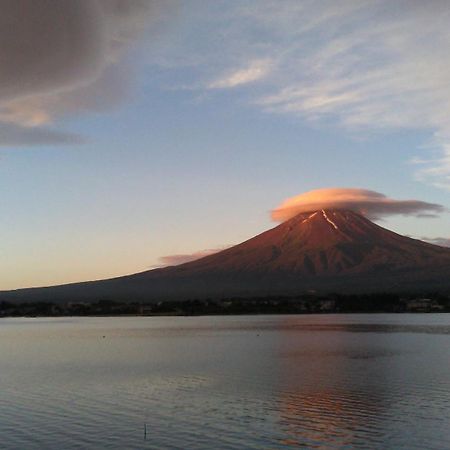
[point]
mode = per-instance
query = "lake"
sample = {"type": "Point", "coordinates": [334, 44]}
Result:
{"type": "Point", "coordinates": [379, 381]}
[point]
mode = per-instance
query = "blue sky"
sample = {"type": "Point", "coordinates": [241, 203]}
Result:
{"type": "Point", "coordinates": [217, 112]}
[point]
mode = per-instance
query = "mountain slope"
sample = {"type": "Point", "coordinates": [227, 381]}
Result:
{"type": "Point", "coordinates": [332, 250]}
{"type": "Point", "coordinates": [323, 243]}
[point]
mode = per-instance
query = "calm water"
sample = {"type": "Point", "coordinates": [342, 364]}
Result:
{"type": "Point", "coordinates": [266, 382]}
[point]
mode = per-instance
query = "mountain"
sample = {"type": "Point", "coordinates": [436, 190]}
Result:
{"type": "Point", "coordinates": [323, 251]}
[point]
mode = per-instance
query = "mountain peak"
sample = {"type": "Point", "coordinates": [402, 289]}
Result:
{"type": "Point", "coordinates": [325, 242]}
{"type": "Point", "coordinates": [324, 250]}
{"type": "Point", "coordinates": [326, 227]}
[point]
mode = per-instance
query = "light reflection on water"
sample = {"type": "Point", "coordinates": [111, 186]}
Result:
{"type": "Point", "coordinates": [328, 381]}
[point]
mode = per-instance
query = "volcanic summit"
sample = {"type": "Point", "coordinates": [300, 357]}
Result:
{"type": "Point", "coordinates": [323, 251]}
{"type": "Point", "coordinates": [324, 243]}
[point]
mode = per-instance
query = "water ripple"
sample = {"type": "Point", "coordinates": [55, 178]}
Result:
{"type": "Point", "coordinates": [226, 383]}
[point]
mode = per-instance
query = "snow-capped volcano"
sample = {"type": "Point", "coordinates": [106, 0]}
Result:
{"type": "Point", "coordinates": [323, 250]}
{"type": "Point", "coordinates": [323, 243]}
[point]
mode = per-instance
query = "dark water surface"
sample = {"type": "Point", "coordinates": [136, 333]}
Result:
{"type": "Point", "coordinates": [251, 382]}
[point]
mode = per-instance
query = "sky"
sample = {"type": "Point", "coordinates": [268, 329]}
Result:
{"type": "Point", "coordinates": [137, 133]}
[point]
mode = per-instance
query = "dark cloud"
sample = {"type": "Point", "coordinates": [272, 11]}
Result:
{"type": "Point", "coordinates": [369, 203]}
{"type": "Point", "coordinates": [64, 57]}
{"type": "Point", "coordinates": [48, 45]}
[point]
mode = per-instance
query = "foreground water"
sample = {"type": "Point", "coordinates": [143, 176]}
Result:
{"type": "Point", "coordinates": [263, 382]}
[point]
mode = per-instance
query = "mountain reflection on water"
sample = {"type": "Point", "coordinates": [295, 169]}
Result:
{"type": "Point", "coordinates": [255, 382]}
{"type": "Point", "coordinates": [323, 403]}
{"type": "Point", "coordinates": [358, 393]}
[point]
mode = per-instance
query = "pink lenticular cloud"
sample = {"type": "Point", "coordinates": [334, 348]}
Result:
{"type": "Point", "coordinates": [369, 203]}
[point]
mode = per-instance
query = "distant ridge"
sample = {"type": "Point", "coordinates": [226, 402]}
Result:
{"type": "Point", "coordinates": [322, 251]}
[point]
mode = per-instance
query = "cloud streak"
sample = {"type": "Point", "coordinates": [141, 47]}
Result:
{"type": "Point", "coordinates": [255, 71]}
{"type": "Point", "coordinates": [175, 260]}
{"type": "Point", "coordinates": [18, 136]}
{"type": "Point", "coordinates": [369, 203]}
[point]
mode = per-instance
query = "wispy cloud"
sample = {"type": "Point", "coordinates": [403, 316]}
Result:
{"type": "Point", "coordinates": [369, 203]}
{"type": "Point", "coordinates": [364, 65]}
{"type": "Point", "coordinates": [255, 71]}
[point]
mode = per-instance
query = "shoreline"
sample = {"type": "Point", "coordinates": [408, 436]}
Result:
{"type": "Point", "coordinates": [302, 305]}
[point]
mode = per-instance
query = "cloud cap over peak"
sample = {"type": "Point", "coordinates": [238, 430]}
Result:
{"type": "Point", "coordinates": [371, 204]}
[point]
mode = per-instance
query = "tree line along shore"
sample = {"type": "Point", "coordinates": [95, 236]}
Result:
{"type": "Point", "coordinates": [303, 304]}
